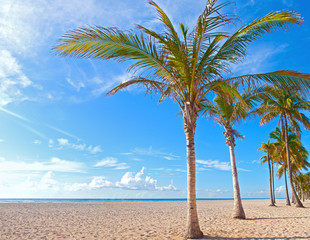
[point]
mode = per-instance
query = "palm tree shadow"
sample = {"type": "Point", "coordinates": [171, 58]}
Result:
{"type": "Point", "coordinates": [253, 238]}
{"type": "Point", "coordinates": [253, 219]}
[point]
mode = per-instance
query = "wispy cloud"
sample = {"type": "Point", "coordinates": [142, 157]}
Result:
{"type": "Point", "coordinates": [14, 114]}
{"type": "Point", "coordinates": [112, 162]}
{"type": "Point", "coordinates": [37, 142]}
{"type": "Point", "coordinates": [224, 166]}
{"type": "Point", "coordinates": [256, 161]}
{"type": "Point", "coordinates": [62, 132]}
{"type": "Point", "coordinates": [152, 152]}
{"type": "Point", "coordinates": [101, 86]}
{"type": "Point", "coordinates": [215, 164]}
{"type": "Point", "coordinates": [54, 164]}
{"type": "Point", "coordinates": [13, 80]}
{"type": "Point", "coordinates": [64, 143]}
{"type": "Point", "coordinates": [129, 181]}
{"type": "Point", "coordinates": [258, 59]}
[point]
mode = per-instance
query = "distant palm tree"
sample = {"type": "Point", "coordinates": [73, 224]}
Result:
{"type": "Point", "coordinates": [279, 156]}
{"type": "Point", "coordinates": [229, 109]}
{"type": "Point", "coordinates": [269, 149]}
{"type": "Point", "coordinates": [185, 65]}
{"type": "Point", "coordinates": [297, 152]}
{"type": "Point", "coordinates": [300, 181]}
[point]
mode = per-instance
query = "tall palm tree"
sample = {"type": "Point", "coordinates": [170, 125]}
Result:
{"type": "Point", "coordinates": [279, 156]}
{"type": "Point", "coordinates": [269, 149]}
{"type": "Point", "coordinates": [288, 106]}
{"type": "Point", "coordinates": [227, 110]}
{"type": "Point", "coordinates": [184, 65]}
{"type": "Point", "coordinates": [272, 177]}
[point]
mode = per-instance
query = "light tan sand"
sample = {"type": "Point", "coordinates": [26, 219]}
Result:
{"type": "Point", "coordinates": [150, 220]}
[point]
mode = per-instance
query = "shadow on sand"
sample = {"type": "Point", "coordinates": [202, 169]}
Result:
{"type": "Point", "coordinates": [255, 238]}
{"type": "Point", "coordinates": [253, 219]}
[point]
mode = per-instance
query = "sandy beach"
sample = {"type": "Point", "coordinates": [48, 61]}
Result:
{"type": "Point", "coordinates": [150, 220]}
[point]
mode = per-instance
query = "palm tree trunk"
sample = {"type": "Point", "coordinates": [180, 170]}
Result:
{"type": "Point", "coordinates": [286, 189]}
{"type": "Point", "coordinates": [293, 199]}
{"type": "Point", "coordinates": [290, 175]}
{"type": "Point", "coordinates": [273, 191]}
{"type": "Point", "coordinates": [238, 208]}
{"type": "Point", "coordinates": [270, 181]}
{"type": "Point", "coordinates": [193, 229]}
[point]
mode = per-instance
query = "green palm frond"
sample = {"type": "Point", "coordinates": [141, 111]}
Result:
{"type": "Point", "coordinates": [112, 43]}
{"type": "Point", "coordinates": [162, 16]}
{"type": "Point", "coordinates": [150, 85]}
{"type": "Point", "coordinates": [263, 159]}
{"type": "Point", "coordinates": [283, 78]}
{"type": "Point", "coordinates": [235, 48]}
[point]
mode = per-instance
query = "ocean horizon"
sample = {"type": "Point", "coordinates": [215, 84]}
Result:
{"type": "Point", "coordinates": [78, 200]}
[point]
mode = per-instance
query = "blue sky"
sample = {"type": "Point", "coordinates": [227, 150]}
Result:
{"type": "Point", "coordinates": [60, 136]}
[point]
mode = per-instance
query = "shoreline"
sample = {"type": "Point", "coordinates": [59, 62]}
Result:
{"type": "Point", "coordinates": [151, 220]}
{"type": "Point", "coordinates": [89, 200]}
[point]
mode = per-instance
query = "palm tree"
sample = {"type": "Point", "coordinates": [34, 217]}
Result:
{"type": "Point", "coordinates": [186, 66]}
{"type": "Point", "coordinates": [269, 149]}
{"type": "Point", "coordinates": [227, 110]}
{"type": "Point", "coordinates": [300, 181]}
{"type": "Point", "coordinates": [272, 177]}
{"type": "Point", "coordinates": [279, 156]}
{"type": "Point", "coordinates": [287, 105]}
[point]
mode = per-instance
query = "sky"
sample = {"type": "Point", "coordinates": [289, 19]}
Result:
{"type": "Point", "coordinates": [61, 137]}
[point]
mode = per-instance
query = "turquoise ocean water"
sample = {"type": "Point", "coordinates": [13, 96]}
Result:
{"type": "Point", "coordinates": [77, 200]}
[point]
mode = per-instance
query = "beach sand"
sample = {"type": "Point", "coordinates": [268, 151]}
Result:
{"type": "Point", "coordinates": [151, 220]}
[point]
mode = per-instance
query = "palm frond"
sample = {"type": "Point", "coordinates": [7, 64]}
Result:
{"type": "Point", "coordinates": [235, 48]}
{"type": "Point", "coordinates": [150, 85]}
{"type": "Point", "coordinates": [285, 79]}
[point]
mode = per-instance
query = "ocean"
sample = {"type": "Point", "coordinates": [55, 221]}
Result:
{"type": "Point", "coordinates": [78, 200]}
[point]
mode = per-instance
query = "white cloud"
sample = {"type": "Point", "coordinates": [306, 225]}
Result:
{"type": "Point", "coordinates": [257, 59]}
{"type": "Point", "coordinates": [256, 162]}
{"type": "Point", "coordinates": [170, 170]}
{"type": "Point", "coordinates": [103, 85]}
{"type": "Point", "coordinates": [27, 24]}
{"type": "Point", "coordinates": [65, 143]}
{"type": "Point", "coordinates": [129, 181]}
{"type": "Point", "coordinates": [12, 79]}
{"type": "Point", "coordinates": [76, 85]}
{"type": "Point", "coordinates": [280, 190]}
{"type": "Point", "coordinates": [151, 152]}
{"type": "Point", "coordinates": [55, 164]}
{"type": "Point", "coordinates": [136, 182]}
{"type": "Point", "coordinates": [95, 149]}
{"type": "Point", "coordinates": [111, 162]}
{"type": "Point", "coordinates": [225, 166]}
{"type": "Point", "coordinates": [216, 191]}
{"type": "Point", "coordinates": [1, 140]}
{"type": "Point", "coordinates": [50, 143]}
{"type": "Point", "coordinates": [62, 132]}
{"type": "Point", "coordinates": [96, 183]}
{"type": "Point", "coordinates": [37, 142]}
{"type": "Point", "coordinates": [100, 182]}
{"type": "Point", "coordinates": [14, 114]}
{"type": "Point", "coordinates": [45, 183]}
